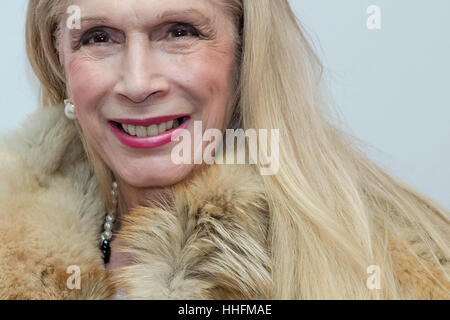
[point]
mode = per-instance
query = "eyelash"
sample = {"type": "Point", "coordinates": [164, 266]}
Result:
{"type": "Point", "coordinates": [86, 38]}
{"type": "Point", "coordinates": [185, 27]}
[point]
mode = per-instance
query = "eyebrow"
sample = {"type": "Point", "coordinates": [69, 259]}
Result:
{"type": "Point", "coordinates": [173, 13]}
{"type": "Point", "coordinates": [77, 32]}
{"type": "Point", "coordinates": [159, 16]}
{"type": "Point", "coordinates": [94, 19]}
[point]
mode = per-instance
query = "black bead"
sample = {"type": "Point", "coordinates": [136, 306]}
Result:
{"type": "Point", "coordinates": [106, 250]}
{"type": "Point", "coordinates": [104, 244]}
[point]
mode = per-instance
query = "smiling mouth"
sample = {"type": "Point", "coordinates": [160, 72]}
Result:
{"type": "Point", "coordinates": [151, 130]}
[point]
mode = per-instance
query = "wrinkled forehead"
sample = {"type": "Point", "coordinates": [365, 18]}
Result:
{"type": "Point", "coordinates": [142, 11]}
{"type": "Point", "coordinates": [139, 8]}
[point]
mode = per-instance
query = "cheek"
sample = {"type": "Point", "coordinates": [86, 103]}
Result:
{"type": "Point", "coordinates": [207, 76]}
{"type": "Point", "coordinates": [88, 82]}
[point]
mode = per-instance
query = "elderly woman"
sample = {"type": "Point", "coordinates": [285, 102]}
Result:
{"type": "Point", "coordinates": [95, 205]}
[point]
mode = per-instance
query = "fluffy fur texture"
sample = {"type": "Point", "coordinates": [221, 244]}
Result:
{"type": "Point", "coordinates": [210, 241]}
{"type": "Point", "coordinates": [51, 213]}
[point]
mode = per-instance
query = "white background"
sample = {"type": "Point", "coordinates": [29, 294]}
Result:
{"type": "Point", "coordinates": [392, 85]}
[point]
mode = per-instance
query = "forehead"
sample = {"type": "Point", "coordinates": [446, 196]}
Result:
{"type": "Point", "coordinates": [145, 9]}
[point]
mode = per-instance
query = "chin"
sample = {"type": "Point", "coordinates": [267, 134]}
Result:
{"type": "Point", "coordinates": [157, 176]}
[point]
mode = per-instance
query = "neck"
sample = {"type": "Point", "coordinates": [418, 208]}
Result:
{"type": "Point", "coordinates": [130, 197]}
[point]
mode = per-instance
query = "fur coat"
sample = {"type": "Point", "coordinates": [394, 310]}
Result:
{"type": "Point", "coordinates": [210, 243]}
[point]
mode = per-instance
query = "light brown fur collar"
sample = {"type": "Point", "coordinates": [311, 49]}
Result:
{"type": "Point", "coordinates": [210, 242]}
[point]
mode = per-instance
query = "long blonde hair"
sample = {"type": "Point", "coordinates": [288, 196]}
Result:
{"type": "Point", "coordinates": [333, 210]}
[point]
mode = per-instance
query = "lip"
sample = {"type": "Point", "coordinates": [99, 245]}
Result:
{"type": "Point", "coordinates": [148, 142]}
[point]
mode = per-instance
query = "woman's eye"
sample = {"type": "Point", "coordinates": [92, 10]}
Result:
{"type": "Point", "coordinates": [97, 37]}
{"type": "Point", "coordinates": [183, 30]}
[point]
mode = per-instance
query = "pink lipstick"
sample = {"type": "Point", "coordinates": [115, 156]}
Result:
{"type": "Point", "coordinates": [148, 142]}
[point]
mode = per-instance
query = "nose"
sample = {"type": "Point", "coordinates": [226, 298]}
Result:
{"type": "Point", "coordinates": [140, 75]}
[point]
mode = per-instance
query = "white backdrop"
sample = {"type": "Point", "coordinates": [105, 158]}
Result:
{"type": "Point", "coordinates": [392, 85]}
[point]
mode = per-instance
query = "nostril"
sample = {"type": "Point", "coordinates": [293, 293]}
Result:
{"type": "Point", "coordinates": [142, 99]}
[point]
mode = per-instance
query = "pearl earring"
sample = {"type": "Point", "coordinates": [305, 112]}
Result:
{"type": "Point", "coordinates": [69, 110]}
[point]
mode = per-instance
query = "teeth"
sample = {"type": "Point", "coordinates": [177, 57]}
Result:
{"type": "Point", "coordinates": [141, 131]}
{"type": "Point", "coordinates": [161, 127]}
{"type": "Point", "coordinates": [152, 130]}
{"type": "Point", "coordinates": [131, 130]}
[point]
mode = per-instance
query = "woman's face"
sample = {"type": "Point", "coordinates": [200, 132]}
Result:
{"type": "Point", "coordinates": [134, 66]}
